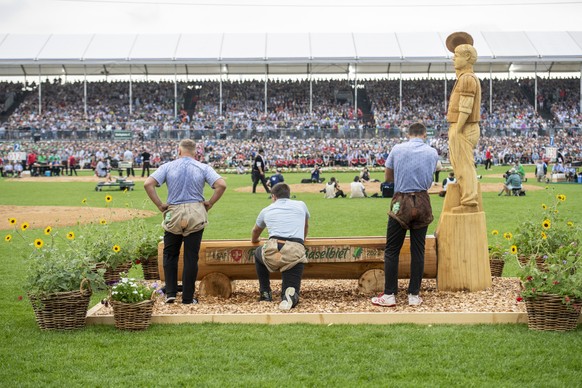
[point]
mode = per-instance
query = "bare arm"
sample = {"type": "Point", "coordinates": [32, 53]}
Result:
{"type": "Point", "coordinates": [388, 175]}
{"type": "Point", "coordinates": [256, 233]}
{"type": "Point", "coordinates": [150, 188]}
{"type": "Point", "coordinates": [306, 229]}
{"type": "Point", "coordinates": [219, 189]}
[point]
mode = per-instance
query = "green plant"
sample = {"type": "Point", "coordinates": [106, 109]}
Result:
{"type": "Point", "coordinates": [147, 237]}
{"type": "Point", "coordinates": [554, 251]}
{"type": "Point", "coordinates": [499, 248]}
{"type": "Point", "coordinates": [130, 290]}
{"type": "Point", "coordinates": [56, 265]}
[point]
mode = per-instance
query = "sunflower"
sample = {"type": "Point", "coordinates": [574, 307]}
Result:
{"type": "Point", "coordinates": [570, 224]}
{"type": "Point", "coordinates": [544, 235]}
{"type": "Point", "coordinates": [108, 198]}
{"type": "Point", "coordinates": [102, 221]}
{"type": "Point", "coordinates": [546, 224]}
{"type": "Point", "coordinates": [561, 197]}
{"type": "Point", "coordinates": [38, 243]}
{"type": "Point", "coordinates": [116, 248]}
{"type": "Point", "coordinates": [71, 235]}
{"type": "Point", "coordinates": [12, 221]}
{"type": "Point", "coordinates": [8, 238]}
{"type": "Point", "coordinates": [24, 226]}
{"type": "Point", "coordinates": [48, 230]}
{"type": "Point", "coordinates": [513, 249]}
{"type": "Point", "coordinates": [507, 236]}
{"type": "Point", "coordinates": [495, 232]}
{"type": "Point", "coordinates": [544, 206]}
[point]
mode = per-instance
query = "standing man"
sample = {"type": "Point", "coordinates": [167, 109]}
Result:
{"type": "Point", "coordinates": [128, 158]}
{"type": "Point", "coordinates": [185, 214]}
{"type": "Point", "coordinates": [464, 115]}
{"type": "Point", "coordinates": [258, 172]}
{"type": "Point", "coordinates": [146, 156]}
{"type": "Point", "coordinates": [410, 166]}
{"type": "Point", "coordinates": [288, 222]}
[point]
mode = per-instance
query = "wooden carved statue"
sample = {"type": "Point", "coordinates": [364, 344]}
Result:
{"type": "Point", "coordinates": [463, 116]}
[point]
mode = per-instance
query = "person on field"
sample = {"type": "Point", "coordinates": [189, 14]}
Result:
{"type": "Point", "coordinates": [185, 214]}
{"type": "Point", "coordinates": [410, 166]}
{"type": "Point", "coordinates": [287, 221]}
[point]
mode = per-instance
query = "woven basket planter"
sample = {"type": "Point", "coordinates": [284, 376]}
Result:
{"type": "Point", "coordinates": [150, 268]}
{"type": "Point", "coordinates": [62, 310]}
{"type": "Point", "coordinates": [496, 266]}
{"type": "Point", "coordinates": [132, 316]}
{"type": "Point", "coordinates": [524, 260]}
{"type": "Point", "coordinates": [547, 312]}
{"type": "Point", "coordinates": [112, 275]}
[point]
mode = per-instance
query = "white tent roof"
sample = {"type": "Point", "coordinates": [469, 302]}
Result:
{"type": "Point", "coordinates": [300, 53]}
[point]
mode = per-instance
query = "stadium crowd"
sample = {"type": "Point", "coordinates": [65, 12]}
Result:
{"type": "Point", "coordinates": [151, 112]}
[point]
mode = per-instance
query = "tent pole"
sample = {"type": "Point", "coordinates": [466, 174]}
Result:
{"type": "Point", "coordinates": [536, 87]}
{"type": "Point", "coordinates": [175, 91]}
{"type": "Point", "coordinates": [85, 90]}
{"type": "Point", "coordinates": [356, 98]}
{"type": "Point", "coordinates": [220, 95]}
{"type": "Point", "coordinates": [490, 88]}
{"type": "Point", "coordinates": [266, 78]}
{"type": "Point", "coordinates": [399, 113]}
{"type": "Point", "coordinates": [310, 90]}
{"type": "Point", "coordinates": [39, 91]}
{"type": "Point", "coordinates": [446, 91]}
{"type": "Point", "coordinates": [130, 93]}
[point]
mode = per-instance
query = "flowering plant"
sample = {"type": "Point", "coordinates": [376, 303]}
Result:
{"type": "Point", "coordinates": [146, 240]}
{"type": "Point", "coordinates": [130, 290]}
{"type": "Point", "coordinates": [55, 263]}
{"type": "Point", "coordinates": [499, 248]}
{"type": "Point", "coordinates": [554, 243]}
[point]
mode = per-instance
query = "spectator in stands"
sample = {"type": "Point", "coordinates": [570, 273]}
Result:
{"type": "Point", "coordinates": [287, 221]}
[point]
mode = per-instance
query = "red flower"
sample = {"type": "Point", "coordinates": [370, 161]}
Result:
{"type": "Point", "coordinates": [567, 299]}
{"type": "Point", "coordinates": [519, 299]}
{"type": "Point", "coordinates": [556, 282]}
{"type": "Point", "coordinates": [529, 278]}
{"type": "Point", "coordinates": [138, 261]}
{"type": "Point", "coordinates": [19, 297]}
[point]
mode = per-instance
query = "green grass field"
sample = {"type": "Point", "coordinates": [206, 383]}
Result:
{"type": "Point", "coordinates": [286, 355]}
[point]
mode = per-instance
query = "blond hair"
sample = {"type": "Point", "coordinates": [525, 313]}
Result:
{"type": "Point", "coordinates": [188, 146]}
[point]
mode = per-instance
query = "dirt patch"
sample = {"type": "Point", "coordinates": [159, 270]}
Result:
{"type": "Point", "coordinates": [56, 216]}
{"type": "Point", "coordinates": [374, 187]}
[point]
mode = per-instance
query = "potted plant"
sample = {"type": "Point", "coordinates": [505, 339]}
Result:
{"type": "Point", "coordinates": [146, 248]}
{"type": "Point", "coordinates": [553, 290]}
{"type": "Point", "coordinates": [132, 301]}
{"type": "Point", "coordinates": [498, 252]}
{"type": "Point", "coordinates": [58, 278]}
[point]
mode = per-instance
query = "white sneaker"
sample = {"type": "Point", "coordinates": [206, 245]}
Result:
{"type": "Point", "coordinates": [287, 303]}
{"type": "Point", "coordinates": [384, 300]}
{"type": "Point", "coordinates": [414, 300]}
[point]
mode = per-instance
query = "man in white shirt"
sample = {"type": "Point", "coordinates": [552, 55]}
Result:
{"type": "Point", "coordinates": [357, 188]}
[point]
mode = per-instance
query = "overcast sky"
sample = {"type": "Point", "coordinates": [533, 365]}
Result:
{"type": "Point", "coordinates": [192, 16]}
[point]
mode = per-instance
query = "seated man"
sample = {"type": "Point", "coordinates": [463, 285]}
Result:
{"type": "Point", "coordinates": [570, 173]}
{"type": "Point", "coordinates": [9, 170]}
{"type": "Point", "coordinates": [102, 170]}
{"type": "Point", "coordinates": [332, 189]}
{"type": "Point", "coordinates": [274, 179]}
{"type": "Point", "coordinates": [450, 179]}
{"type": "Point", "coordinates": [18, 169]}
{"type": "Point", "coordinates": [287, 222]}
{"type": "Point", "coordinates": [513, 182]}
{"type": "Point", "coordinates": [365, 176]}
{"type": "Point", "coordinates": [357, 188]}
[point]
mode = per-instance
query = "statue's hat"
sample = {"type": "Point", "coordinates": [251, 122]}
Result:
{"type": "Point", "coordinates": [458, 38]}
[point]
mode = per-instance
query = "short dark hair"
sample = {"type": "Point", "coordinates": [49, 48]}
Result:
{"type": "Point", "coordinates": [417, 129]}
{"type": "Point", "coordinates": [357, 178]}
{"type": "Point", "coordinates": [281, 190]}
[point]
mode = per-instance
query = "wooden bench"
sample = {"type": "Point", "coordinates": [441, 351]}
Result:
{"type": "Point", "coordinates": [362, 258]}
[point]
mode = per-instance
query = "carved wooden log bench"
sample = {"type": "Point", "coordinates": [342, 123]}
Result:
{"type": "Point", "coordinates": [362, 258]}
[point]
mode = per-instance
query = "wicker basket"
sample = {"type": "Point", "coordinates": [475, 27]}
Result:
{"type": "Point", "coordinates": [112, 275]}
{"type": "Point", "coordinates": [496, 266]}
{"type": "Point", "coordinates": [132, 316]}
{"type": "Point", "coordinates": [150, 268]}
{"type": "Point", "coordinates": [540, 263]}
{"type": "Point", "coordinates": [62, 310]}
{"type": "Point", "coordinates": [547, 312]}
